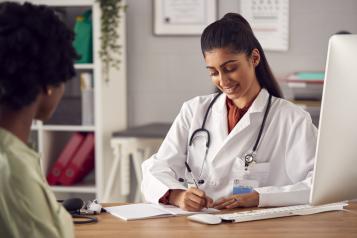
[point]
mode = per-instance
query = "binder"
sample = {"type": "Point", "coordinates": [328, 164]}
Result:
{"type": "Point", "coordinates": [81, 163]}
{"type": "Point", "coordinates": [83, 42]}
{"type": "Point", "coordinates": [66, 155]}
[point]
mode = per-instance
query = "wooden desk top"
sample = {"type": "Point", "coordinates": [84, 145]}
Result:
{"type": "Point", "coordinates": [330, 224]}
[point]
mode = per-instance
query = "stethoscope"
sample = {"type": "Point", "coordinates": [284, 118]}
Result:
{"type": "Point", "coordinates": [249, 158]}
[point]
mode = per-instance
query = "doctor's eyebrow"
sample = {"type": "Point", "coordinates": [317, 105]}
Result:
{"type": "Point", "coordinates": [222, 65]}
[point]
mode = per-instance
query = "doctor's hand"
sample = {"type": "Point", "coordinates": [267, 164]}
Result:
{"type": "Point", "coordinates": [238, 200]}
{"type": "Point", "coordinates": [192, 200]}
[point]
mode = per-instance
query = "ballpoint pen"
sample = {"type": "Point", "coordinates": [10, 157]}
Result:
{"type": "Point", "coordinates": [193, 178]}
{"type": "Point", "coordinates": [190, 171]}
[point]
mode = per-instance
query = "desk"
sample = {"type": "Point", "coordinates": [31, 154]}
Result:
{"type": "Point", "coordinates": [136, 144]}
{"type": "Point", "coordinates": [330, 224]}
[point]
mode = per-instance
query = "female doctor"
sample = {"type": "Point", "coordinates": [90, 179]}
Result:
{"type": "Point", "coordinates": [243, 147]}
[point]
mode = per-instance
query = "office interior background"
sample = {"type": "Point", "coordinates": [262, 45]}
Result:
{"type": "Point", "coordinates": [157, 74]}
{"type": "Point", "coordinates": [163, 72]}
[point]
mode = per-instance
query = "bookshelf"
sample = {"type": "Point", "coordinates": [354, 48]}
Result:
{"type": "Point", "coordinates": [110, 112]}
{"type": "Point", "coordinates": [305, 89]}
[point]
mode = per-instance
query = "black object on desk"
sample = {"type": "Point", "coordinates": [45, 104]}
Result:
{"type": "Point", "coordinates": [152, 130]}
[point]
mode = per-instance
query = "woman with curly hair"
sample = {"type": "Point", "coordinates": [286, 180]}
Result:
{"type": "Point", "coordinates": [36, 59]}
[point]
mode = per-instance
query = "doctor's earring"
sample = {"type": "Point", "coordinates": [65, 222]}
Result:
{"type": "Point", "coordinates": [255, 62]}
{"type": "Point", "coordinates": [49, 92]}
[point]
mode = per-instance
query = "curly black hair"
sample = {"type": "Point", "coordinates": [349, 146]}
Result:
{"type": "Point", "coordinates": [35, 51]}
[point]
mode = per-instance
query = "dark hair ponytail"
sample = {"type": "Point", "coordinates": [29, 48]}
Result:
{"type": "Point", "coordinates": [234, 32]}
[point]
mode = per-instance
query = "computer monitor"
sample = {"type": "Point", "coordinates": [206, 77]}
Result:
{"type": "Point", "coordinates": [335, 173]}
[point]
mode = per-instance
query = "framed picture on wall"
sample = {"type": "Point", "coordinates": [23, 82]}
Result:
{"type": "Point", "coordinates": [183, 17]}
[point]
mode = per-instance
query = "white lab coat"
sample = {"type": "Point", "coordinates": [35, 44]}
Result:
{"type": "Point", "coordinates": [285, 154]}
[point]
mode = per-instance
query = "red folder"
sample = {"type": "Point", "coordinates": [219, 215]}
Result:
{"type": "Point", "coordinates": [81, 163]}
{"type": "Point", "coordinates": [66, 155]}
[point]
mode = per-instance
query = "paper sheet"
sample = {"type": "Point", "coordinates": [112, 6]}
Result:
{"type": "Point", "coordinates": [147, 210]}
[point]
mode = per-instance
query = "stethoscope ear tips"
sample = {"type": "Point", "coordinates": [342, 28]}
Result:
{"type": "Point", "coordinates": [181, 180]}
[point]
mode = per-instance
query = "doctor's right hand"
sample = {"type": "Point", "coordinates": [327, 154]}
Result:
{"type": "Point", "coordinates": [192, 200]}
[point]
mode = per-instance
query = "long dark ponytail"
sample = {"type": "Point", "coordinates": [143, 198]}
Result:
{"type": "Point", "coordinates": [234, 32]}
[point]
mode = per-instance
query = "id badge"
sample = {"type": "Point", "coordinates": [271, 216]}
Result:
{"type": "Point", "coordinates": [241, 186]}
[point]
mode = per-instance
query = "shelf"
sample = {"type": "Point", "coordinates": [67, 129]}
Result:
{"type": "Point", "coordinates": [75, 189]}
{"type": "Point", "coordinates": [65, 3]}
{"type": "Point", "coordinates": [34, 127]}
{"type": "Point", "coordinates": [84, 66]}
{"type": "Point", "coordinates": [307, 103]}
{"type": "Point", "coordinates": [68, 128]}
{"type": "Point", "coordinates": [50, 138]}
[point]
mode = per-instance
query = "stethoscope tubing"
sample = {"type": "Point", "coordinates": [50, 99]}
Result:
{"type": "Point", "coordinates": [263, 124]}
{"type": "Point", "coordinates": [207, 133]}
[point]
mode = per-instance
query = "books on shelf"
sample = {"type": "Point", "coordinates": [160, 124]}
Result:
{"type": "Point", "coordinates": [305, 85]}
{"type": "Point", "coordinates": [87, 98]}
{"type": "Point", "coordinates": [75, 161]}
{"type": "Point", "coordinates": [307, 77]}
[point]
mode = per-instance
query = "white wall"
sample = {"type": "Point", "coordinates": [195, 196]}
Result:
{"type": "Point", "coordinates": [163, 72]}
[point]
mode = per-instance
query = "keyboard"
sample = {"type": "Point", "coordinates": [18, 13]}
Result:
{"type": "Point", "coordinates": [268, 213]}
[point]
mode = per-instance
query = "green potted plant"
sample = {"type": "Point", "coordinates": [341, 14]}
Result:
{"type": "Point", "coordinates": [110, 49]}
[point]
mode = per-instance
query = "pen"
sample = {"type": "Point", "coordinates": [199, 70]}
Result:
{"type": "Point", "coordinates": [193, 178]}
{"type": "Point", "coordinates": [190, 171]}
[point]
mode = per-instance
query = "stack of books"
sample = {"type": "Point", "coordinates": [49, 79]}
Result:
{"type": "Point", "coordinates": [74, 162]}
{"type": "Point", "coordinates": [306, 85]}
{"type": "Point", "coordinates": [305, 89]}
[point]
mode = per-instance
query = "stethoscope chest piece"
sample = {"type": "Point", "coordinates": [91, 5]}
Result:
{"type": "Point", "coordinates": [249, 159]}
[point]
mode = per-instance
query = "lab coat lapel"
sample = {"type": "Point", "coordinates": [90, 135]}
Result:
{"type": "Point", "coordinates": [256, 108]}
{"type": "Point", "coordinates": [220, 124]}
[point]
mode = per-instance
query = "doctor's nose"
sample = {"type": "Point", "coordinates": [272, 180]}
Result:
{"type": "Point", "coordinates": [224, 80]}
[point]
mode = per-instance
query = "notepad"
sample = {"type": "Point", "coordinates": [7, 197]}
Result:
{"type": "Point", "coordinates": [148, 210]}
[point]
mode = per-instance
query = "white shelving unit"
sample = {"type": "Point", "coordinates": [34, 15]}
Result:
{"type": "Point", "coordinates": [110, 112]}
{"type": "Point", "coordinates": [84, 66]}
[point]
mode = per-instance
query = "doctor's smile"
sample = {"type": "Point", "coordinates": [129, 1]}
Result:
{"type": "Point", "coordinates": [228, 160]}
{"type": "Point", "coordinates": [230, 90]}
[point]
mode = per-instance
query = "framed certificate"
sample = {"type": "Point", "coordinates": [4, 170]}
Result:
{"type": "Point", "coordinates": [183, 17]}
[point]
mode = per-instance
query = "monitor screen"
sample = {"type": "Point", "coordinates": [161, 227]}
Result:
{"type": "Point", "coordinates": [335, 173]}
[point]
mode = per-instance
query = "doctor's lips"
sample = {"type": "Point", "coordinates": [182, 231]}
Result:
{"type": "Point", "coordinates": [230, 90]}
